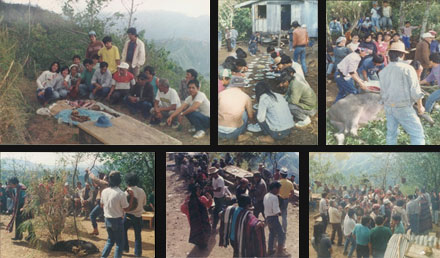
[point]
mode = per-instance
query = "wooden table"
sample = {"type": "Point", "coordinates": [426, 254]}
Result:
{"type": "Point", "coordinates": [125, 130]}
{"type": "Point", "coordinates": [148, 216]}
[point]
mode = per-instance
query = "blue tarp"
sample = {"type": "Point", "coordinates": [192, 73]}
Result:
{"type": "Point", "coordinates": [65, 115]}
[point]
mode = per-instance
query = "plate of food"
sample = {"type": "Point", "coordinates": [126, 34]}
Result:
{"type": "Point", "coordinates": [270, 77]}
{"type": "Point", "coordinates": [253, 96]}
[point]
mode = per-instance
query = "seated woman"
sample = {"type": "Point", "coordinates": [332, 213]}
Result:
{"type": "Point", "coordinates": [59, 85]}
{"type": "Point", "coordinates": [44, 91]}
{"type": "Point", "coordinates": [196, 108]}
{"type": "Point", "coordinates": [273, 114]}
{"type": "Point", "coordinates": [73, 80]}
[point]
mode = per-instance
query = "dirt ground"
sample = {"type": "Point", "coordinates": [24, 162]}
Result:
{"type": "Point", "coordinates": [9, 248]}
{"type": "Point", "coordinates": [299, 136]}
{"type": "Point", "coordinates": [46, 130]}
{"type": "Point", "coordinates": [178, 228]}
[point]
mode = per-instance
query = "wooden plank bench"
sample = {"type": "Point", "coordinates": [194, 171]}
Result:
{"type": "Point", "coordinates": [125, 130]}
{"type": "Point", "coordinates": [148, 216]}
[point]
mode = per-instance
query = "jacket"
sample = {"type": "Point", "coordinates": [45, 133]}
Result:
{"type": "Point", "coordinates": [422, 53]}
{"type": "Point", "coordinates": [139, 53]}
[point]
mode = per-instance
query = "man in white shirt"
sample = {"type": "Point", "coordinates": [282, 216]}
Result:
{"type": "Point", "coordinates": [335, 215]}
{"type": "Point", "coordinates": [114, 203]}
{"type": "Point", "coordinates": [349, 224]}
{"type": "Point", "coordinates": [218, 185]}
{"type": "Point", "coordinates": [323, 210]}
{"type": "Point", "coordinates": [166, 102]}
{"type": "Point", "coordinates": [272, 212]}
{"type": "Point", "coordinates": [196, 108]}
{"type": "Point", "coordinates": [134, 217]}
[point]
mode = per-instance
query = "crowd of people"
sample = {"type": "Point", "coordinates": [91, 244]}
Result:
{"type": "Point", "coordinates": [120, 210]}
{"type": "Point", "coordinates": [267, 194]}
{"type": "Point", "coordinates": [377, 51]}
{"type": "Point", "coordinates": [283, 103]}
{"type": "Point", "coordinates": [365, 218]}
{"type": "Point", "coordinates": [105, 74]}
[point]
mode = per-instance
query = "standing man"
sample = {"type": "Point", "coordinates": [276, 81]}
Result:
{"type": "Point", "coordinates": [300, 41]}
{"type": "Point", "coordinates": [133, 52]}
{"type": "Point", "coordinates": [413, 211]}
{"type": "Point", "coordinates": [379, 237]}
{"type": "Point", "coordinates": [272, 211]}
{"type": "Point", "coordinates": [101, 183]}
{"type": "Point", "coordinates": [386, 22]}
{"type": "Point", "coordinates": [375, 17]}
{"type": "Point", "coordinates": [286, 192]}
{"type": "Point", "coordinates": [258, 190]}
{"type": "Point", "coordinates": [399, 90]}
{"type": "Point", "coordinates": [422, 53]}
{"type": "Point", "coordinates": [335, 215]}
{"type": "Point", "coordinates": [323, 210]}
{"type": "Point", "coordinates": [94, 45]}
{"type": "Point", "coordinates": [109, 54]}
{"type": "Point", "coordinates": [267, 176]}
{"type": "Point", "coordinates": [218, 185]}
{"type": "Point", "coordinates": [234, 35]}
{"type": "Point", "coordinates": [191, 74]}
{"type": "Point", "coordinates": [114, 203]}
{"type": "Point", "coordinates": [134, 217]}
{"type": "Point", "coordinates": [228, 39]}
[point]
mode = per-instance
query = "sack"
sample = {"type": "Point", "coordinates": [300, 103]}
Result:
{"type": "Point", "coordinates": [43, 112]}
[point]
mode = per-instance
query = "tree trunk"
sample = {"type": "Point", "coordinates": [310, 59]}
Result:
{"type": "Point", "coordinates": [402, 13]}
{"type": "Point", "coordinates": [425, 18]}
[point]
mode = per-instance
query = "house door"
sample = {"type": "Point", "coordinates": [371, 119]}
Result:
{"type": "Point", "coordinates": [285, 17]}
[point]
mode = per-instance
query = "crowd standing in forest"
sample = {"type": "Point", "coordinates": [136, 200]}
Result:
{"type": "Point", "coordinates": [376, 51]}
{"type": "Point", "coordinates": [277, 113]}
{"type": "Point", "coordinates": [240, 226]}
{"type": "Point", "coordinates": [367, 217]}
{"type": "Point", "coordinates": [106, 75]}
{"type": "Point", "coordinates": [121, 210]}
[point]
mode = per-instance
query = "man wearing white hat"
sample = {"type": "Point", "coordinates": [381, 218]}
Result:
{"type": "Point", "coordinates": [423, 51]}
{"type": "Point", "coordinates": [121, 84]}
{"type": "Point", "coordinates": [400, 88]}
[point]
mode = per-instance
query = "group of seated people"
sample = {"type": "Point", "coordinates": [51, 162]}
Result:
{"type": "Point", "coordinates": [283, 103]}
{"type": "Point", "coordinates": [104, 76]}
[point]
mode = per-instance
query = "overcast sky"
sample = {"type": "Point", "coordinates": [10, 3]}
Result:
{"type": "Point", "coordinates": [43, 158]}
{"type": "Point", "coordinates": [193, 8]}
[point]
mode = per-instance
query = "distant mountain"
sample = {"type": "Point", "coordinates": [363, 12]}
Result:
{"type": "Point", "coordinates": [189, 54]}
{"type": "Point", "coordinates": [159, 25]}
{"type": "Point", "coordinates": [187, 38]}
{"type": "Point", "coordinates": [290, 160]}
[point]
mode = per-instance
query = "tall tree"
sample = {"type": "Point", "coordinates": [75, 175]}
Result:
{"type": "Point", "coordinates": [131, 7]}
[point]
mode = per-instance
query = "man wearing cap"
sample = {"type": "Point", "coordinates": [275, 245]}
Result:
{"type": "Point", "coordinates": [133, 52]}
{"type": "Point", "coordinates": [400, 89]}
{"type": "Point", "coordinates": [258, 190]}
{"type": "Point", "coordinates": [434, 47]}
{"type": "Point", "coordinates": [218, 185]}
{"type": "Point", "coordinates": [234, 111]}
{"type": "Point", "coordinates": [121, 84]}
{"type": "Point", "coordinates": [300, 41]}
{"type": "Point", "coordinates": [94, 45]}
{"type": "Point", "coordinates": [141, 96]}
{"type": "Point", "coordinates": [242, 188]}
{"type": "Point", "coordinates": [266, 174]}
{"type": "Point", "coordinates": [423, 51]}
{"type": "Point", "coordinates": [286, 192]}
{"type": "Point", "coordinates": [101, 81]}
{"type": "Point", "coordinates": [224, 77]}
{"type": "Point", "coordinates": [346, 74]}
{"type": "Point", "coordinates": [340, 51]}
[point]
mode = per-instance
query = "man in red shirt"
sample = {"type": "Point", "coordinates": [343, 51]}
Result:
{"type": "Point", "coordinates": [121, 84]}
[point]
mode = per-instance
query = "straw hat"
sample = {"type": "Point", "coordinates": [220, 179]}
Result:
{"type": "Point", "coordinates": [399, 46]}
{"type": "Point", "coordinates": [212, 170]}
{"type": "Point", "coordinates": [427, 35]}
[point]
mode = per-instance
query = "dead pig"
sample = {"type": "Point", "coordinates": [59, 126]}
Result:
{"type": "Point", "coordinates": [352, 111]}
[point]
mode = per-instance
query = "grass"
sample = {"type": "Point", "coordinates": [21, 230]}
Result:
{"type": "Point", "coordinates": [374, 133]}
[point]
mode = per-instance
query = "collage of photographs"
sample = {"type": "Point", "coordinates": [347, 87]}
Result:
{"type": "Point", "coordinates": [108, 149]}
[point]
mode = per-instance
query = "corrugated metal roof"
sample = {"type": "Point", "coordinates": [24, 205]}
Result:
{"type": "Point", "coordinates": [246, 3]}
